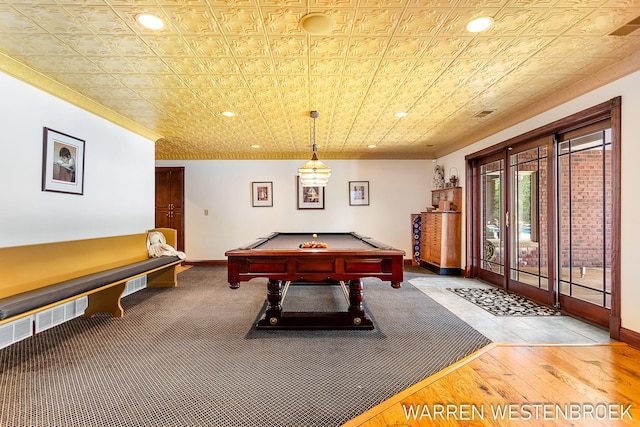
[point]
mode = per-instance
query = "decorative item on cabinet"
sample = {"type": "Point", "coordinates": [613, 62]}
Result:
{"type": "Point", "coordinates": [453, 177]}
{"type": "Point", "coordinates": [452, 195]}
{"type": "Point", "coordinates": [438, 176]}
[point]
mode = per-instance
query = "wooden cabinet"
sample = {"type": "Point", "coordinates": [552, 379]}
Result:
{"type": "Point", "coordinates": [170, 201]}
{"type": "Point", "coordinates": [440, 244]}
{"type": "Point", "coordinates": [452, 195]}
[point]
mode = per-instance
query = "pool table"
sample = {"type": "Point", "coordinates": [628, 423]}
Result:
{"type": "Point", "coordinates": [347, 259]}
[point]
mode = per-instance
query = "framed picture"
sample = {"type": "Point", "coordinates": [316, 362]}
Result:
{"type": "Point", "coordinates": [310, 197]}
{"type": "Point", "coordinates": [359, 193]}
{"type": "Point", "coordinates": [62, 163]}
{"type": "Point", "coordinates": [262, 194]}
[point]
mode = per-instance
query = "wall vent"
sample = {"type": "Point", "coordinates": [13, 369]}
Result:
{"type": "Point", "coordinates": [15, 331]}
{"type": "Point", "coordinates": [627, 28]}
{"type": "Point", "coordinates": [134, 285]}
{"type": "Point", "coordinates": [483, 113]}
{"type": "Point", "coordinates": [54, 316]}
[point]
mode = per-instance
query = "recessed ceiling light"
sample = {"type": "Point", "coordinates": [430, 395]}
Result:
{"type": "Point", "coordinates": [371, 146]}
{"type": "Point", "coordinates": [150, 21]}
{"type": "Point", "coordinates": [228, 113]}
{"type": "Point", "coordinates": [401, 114]}
{"type": "Point", "coordinates": [479, 24]}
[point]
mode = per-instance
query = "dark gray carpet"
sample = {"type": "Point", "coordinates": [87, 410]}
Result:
{"type": "Point", "coordinates": [502, 303]}
{"type": "Point", "coordinates": [183, 357]}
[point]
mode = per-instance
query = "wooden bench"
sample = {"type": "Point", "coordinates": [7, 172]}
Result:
{"type": "Point", "coordinates": [41, 277]}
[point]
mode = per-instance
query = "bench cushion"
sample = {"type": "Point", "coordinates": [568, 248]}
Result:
{"type": "Point", "coordinates": [20, 303]}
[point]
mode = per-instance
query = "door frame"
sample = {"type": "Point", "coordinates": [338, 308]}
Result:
{"type": "Point", "coordinates": [610, 109]}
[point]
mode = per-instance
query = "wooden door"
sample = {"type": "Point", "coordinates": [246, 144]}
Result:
{"type": "Point", "coordinates": [169, 210]}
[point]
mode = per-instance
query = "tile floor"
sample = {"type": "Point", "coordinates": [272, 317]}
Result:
{"type": "Point", "coordinates": [501, 329]}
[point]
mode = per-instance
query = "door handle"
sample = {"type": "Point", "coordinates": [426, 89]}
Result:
{"type": "Point", "coordinates": [506, 219]}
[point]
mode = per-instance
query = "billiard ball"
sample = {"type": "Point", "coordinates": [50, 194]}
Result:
{"type": "Point", "coordinates": [315, 236]}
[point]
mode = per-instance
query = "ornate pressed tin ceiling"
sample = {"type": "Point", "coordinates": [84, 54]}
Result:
{"type": "Point", "coordinates": [251, 57]}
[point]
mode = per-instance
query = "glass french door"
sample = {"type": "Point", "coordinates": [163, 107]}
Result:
{"type": "Point", "coordinates": [514, 248]}
{"type": "Point", "coordinates": [528, 218]}
{"type": "Point", "coordinates": [585, 218]}
{"type": "Point", "coordinates": [492, 248]}
{"type": "Point", "coordinates": [543, 214]}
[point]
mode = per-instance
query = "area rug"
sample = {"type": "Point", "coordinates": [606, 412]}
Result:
{"type": "Point", "coordinates": [187, 356]}
{"type": "Point", "coordinates": [501, 303]}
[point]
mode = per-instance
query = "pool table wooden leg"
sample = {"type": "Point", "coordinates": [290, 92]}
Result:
{"type": "Point", "coordinates": [274, 297]}
{"type": "Point", "coordinates": [356, 296]}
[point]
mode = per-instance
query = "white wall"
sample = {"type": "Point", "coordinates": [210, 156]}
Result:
{"type": "Point", "coordinates": [119, 181]}
{"type": "Point", "coordinates": [629, 88]}
{"type": "Point", "coordinates": [397, 189]}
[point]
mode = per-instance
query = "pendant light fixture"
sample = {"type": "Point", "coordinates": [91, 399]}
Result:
{"type": "Point", "coordinates": [314, 173]}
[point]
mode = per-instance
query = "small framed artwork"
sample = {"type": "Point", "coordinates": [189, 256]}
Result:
{"type": "Point", "coordinates": [359, 193]}
{"type": "Point", "coordinates": [310, 197]}
{"type": "Point", "coordinates": [262, 194]}
{"type": "Point", "coordinates": [62, 163]}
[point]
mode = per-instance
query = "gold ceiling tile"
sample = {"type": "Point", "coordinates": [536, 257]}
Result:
{"type": "Point", "coordinates": [255, 66]}
{"type": "Point", "coordinates": [36, 45]}
{"type": "Point", "coordinates": [207, 46]}
{"type": "Point", "coordinates": [557, 21]}
{"type": "Point", "coordinates": [13, 22]}
{"type": "Point", "coordinates": [94, 80]}
{"type": "Point", "coordinates": [90, 45]}
{"type": "Point", "coordinates": [248, 46]}
{"type": "Point", "coordinates": [168, 45]}
{"type": "Point", "coordinates": [328, 47]}
{"type": "Point", "coordinates": [423, 21]}
{"type": "Point", "coordinates": [242, 20]}
{"type": "Point", "coordinates": [198, 81]}
{"type": "Point", "coordinates": [376, 21]}
{"type": "Point", "coordinates": [525, 46]}
{"type": "Point", "coordinates": [51, 18]}
{"type": "Point", "coordinates": [466, 66]}
{"type": "Point", "coordinates": [407, 47]}
{"type": "Point", "coordinates": [326, 67]}
{"type": "Point", "coordinates": [282, 20]}
{"type": "Point", "coordinates": [430, 66]}
{"type": "Point", "coordinates": [511, 21]}
{"type": "Point", "coordinates": [193, 18]}
{"type": "Point", "coordinates": [603, 21]}
{"type": "Point", "coordinates": [221, 67]}
{"type": "Point", "coordinates": [288, 46]}
{"type": "Point", "coordinates": [291, 67]}
{"type": "Point", "coordinates": [100, 20]}
{"type": "Point", "coordinates": [447, 47]}
{"type": "Point", "coordinates": [485, 47]}
{"type": "Point", "coordinates": [366, 47]}
{"type": "Point", "coordinates": [395, 66]}
{"type": "Point", "coordinates": [128, 45]}
{"type": "Point", "coordinates": [361, 66]}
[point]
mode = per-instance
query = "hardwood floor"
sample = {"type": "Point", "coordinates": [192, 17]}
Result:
{"type": "Point", "coordinates": [522, 385]}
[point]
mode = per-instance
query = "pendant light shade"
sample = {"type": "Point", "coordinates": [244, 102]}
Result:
{"type": "Point", "coordinates": [314, 173]}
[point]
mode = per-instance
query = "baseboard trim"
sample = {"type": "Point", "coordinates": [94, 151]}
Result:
{"type": "Point", "coordinates": [630, 337]}
{"type": "Point", "coordinates": [207, 262]}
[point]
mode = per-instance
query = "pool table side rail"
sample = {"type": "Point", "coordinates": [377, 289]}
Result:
{"type": "Point", "coordinates": [315, 265]}
{"type": "Point", "coordinates": [262, 240]}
